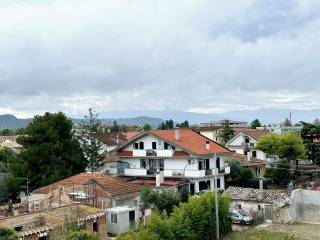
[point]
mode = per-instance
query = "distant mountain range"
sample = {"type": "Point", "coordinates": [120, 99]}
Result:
{"type": "Point", "coordinates": [154, 118]}
{"type": "Point", "coordinates": [11, 122]}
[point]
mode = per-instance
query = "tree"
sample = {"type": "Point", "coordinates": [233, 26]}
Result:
{"type": "Point", "coordinates": [184, 124]}
{"type": "Point", "coordinates": [92, 147]}
{"type": "Point", "coordinates": [316, 122]}
{"type": "Point", "coordinates": [280, 175]}
{"type": "Point", "coordinates": [288, 146]}
{"type": "Point", "coordinates": [227, 132]}
{"type": "Point", "coordinates": [255, 123]}
{"type": "Point", "coordinates": [167, 125]}
{"type": "Point", "coordinates": [115, 126]}
{"type": "Point", "coordinates": [146, 127]}
{"type": "Point", "coordinates": [310, 134]}
{"type": "Point", "coordinates": [192, 220]}
{"type": "Point", "coordinates": [8, 234]}
{"type": "Point", "coordinates": [287, 122]}
{"type": "Point", "coordinates": [242, 176]}
{"type": "Point", "coordinates": [161, 200]}
{"type": "Point", "coordinates": [142, 234]}
{"type": "Point", "coordinates": [51, 152]}
{"type": "Point", "coordinates": [7, 156]}
{"type": "Point", "coordinates": [6, 132]}
{"type": "Point", "coordinates": [82, 235]}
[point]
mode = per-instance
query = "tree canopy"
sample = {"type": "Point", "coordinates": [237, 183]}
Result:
{"type": "Point", "coordinates": [310, 134]}
{"type": "Point", "coordinates": [255, 123]}
{"type": "Point", "coordinates": [242, 176]}
{"type": "Point", "coordinates": [51, 152]}
{"type": "Point", "coordinates": [82, 235]}
{"type": "Point", "coordinates": [8, 234]}
{"type": "Point", "coordinates": [194, 220]}
{"type": "Point", "coordinates": [227, 132]}
{"type": "Point", "coordinates": [146, 126]}
{"type": "Point", "coordinates": [167, 125]}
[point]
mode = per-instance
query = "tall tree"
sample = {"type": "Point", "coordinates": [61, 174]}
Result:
{"type": "Point", "coordinates": [146, 127]}
{"type": "Point", "coordinates": [227, 132]}
{"type": "Point", "coordinates": [51, 152]}
{"type": "Point", "coordinates": [310, 134]}
{"type": "Point", "coordinates": [255, 123]}
{"type": "Point", "coordinates": [92, 148]}
{"type": "Point", "coordinates": [115, 126]}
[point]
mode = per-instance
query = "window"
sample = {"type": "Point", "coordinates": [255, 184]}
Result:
{"type": "Point", "coordinates": [154, 145]}
{"type": "Point", "coordinates": [254, 154]}
{"type": "Point", "coordinates": [259, 207]}
{"type": "Point", "coordinates": [218, 183]}
{"type": "Point", "coordinates": [247, 140]}
{"type": "Point", "coordinates": [136, 145]}
{"type": "Point", "coordinates": [132, 216]}
{"type": "Point", "coordinates": [201, 165]}
{"type": "Point", "coordinates": [258, 171]}
{"type": "Point", "coordinates": [218, 163]}
{"type": "Point", "coordinates": [239, 206]}
{"type": "Point", "coordinates": [114, 218]}
{"type": "Point", "coordinates": [141, 145]}
{"type": "Point", "coordinates": [166, 145]}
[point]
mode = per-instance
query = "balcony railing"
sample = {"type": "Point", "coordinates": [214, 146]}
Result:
{"type": "Point", "coordinates": [188, 173]}
{"type": "Point", "coordinates": [152, 152]}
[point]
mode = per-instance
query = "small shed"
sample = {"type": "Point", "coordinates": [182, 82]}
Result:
{"type": "Point", "coordinates": [122, 219]}
{"type": "Point", "coordinates": [272, 204]}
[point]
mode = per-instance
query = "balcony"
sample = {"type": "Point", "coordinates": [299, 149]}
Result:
{"type": "Point", "coordinates": [174, 173]}
{"type": "Point", "coordinates": [153, 153]}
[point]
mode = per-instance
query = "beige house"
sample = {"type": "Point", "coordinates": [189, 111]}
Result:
{"type": "Point", "coordinates": [211, 132]}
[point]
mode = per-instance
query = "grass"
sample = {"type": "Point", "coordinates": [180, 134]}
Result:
{"type": "Point", "coordinates": [258, 235]}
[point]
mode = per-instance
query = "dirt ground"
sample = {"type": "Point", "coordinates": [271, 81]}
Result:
{"type": "Point", "coordinates": [300, 231]}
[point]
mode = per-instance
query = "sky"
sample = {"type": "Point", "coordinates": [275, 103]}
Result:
{"type": "Point", "coordinates": [199, 56]}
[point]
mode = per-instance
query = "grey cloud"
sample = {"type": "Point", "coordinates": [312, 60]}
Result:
{"type": "Point", "coordinates": [68, 55]}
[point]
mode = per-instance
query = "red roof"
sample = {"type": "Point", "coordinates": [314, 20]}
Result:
{"type": "Point", "coordinates": [109, 184]}
{"type": "Point", "coordinates": [190, 141]}
{"type": "Point", "coordinates": [254, 133]}
{"type": "Point", "coordinates": [180, 154]}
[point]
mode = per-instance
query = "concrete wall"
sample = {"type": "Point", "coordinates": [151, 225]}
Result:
{"type": "Point", "coordinates": [306, 205]}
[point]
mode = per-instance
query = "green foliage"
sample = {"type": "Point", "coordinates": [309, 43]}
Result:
{"type": "Point", "coordinates": [286, 146]}
{"type": "Point", "coordinates": [242, 176]}
{"type": "Point", "coordinates": [161, 200]}
{"type": "Point", "coordinates": [167, 125]}
{"type": "Point", "coordinates": [258, 235]}
{"type": "Point", "coordinates": [9, 188]}
{"type": "Point", "coordinates": [184, 124]}
{"type": "Point", "coordinates": [6, 132]}
{"type": "Point", "coordinates": [142, 234]}
{"type": "Point", "coordinates": [114, 127]}
{"type": "Point", "coordinates": [193, 220]}
{"type": "Point", "coordinates": [51, 151]}
{"type": "Point", "coordinates": [146, 127]}
{"type": "Point", "coordinates": [255, 123]}
{"type": "Point", "coordinates": [227, 132]}
{"type": "Point", "coordinates": [82, 235]}
{"type": "Point", "coordinates": [7, 156]}
{"type": "Point", "coordinates": [310, 134]}
{"type": "Point", "coordinates": [8, 234]}
{"type": "Point", "coordinates": [92, 147]}
{"type": "Point", "coordinates": [280, 175]}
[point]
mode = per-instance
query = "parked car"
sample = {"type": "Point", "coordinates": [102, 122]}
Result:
{"type": "Point", "coordinates": [239, 216]}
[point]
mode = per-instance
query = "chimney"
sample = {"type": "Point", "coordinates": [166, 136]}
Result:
{"type": "Point", "coordinates": [260, 183]}
{"type": "Point", "coordinates": [177, 134]}
{"type": "Point", "coordinates": [158, 179]}
{"type": "Point", "coordinates": [208, 145]}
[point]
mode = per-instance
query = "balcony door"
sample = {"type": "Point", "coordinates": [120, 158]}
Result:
{"type": "Point", "coordinates": [154, 165]}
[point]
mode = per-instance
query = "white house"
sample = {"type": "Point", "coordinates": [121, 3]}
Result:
{"type": "Point", "coordinates": [180, 154]}
{"type": "Point", "coordinates": [245, 141]}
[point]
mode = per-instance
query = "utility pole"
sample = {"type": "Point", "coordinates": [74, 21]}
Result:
{"type": "Point", "coordinates": [216, 198]}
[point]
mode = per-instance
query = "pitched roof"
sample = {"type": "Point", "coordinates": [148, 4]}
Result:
{"type": "Point", "coordinates": [111, 139]}
{"type": "Point", "coordinates": [243, 159]}
{"type": "Point", "coordinates": [111, 185]}
{"type": "Point", "coordinates": [190, 141]}
{"type": "Point", "coordinates": [254, 133]}
{"type": "Point", "coordinates": [275, 197]}
{"type": "Point", "coordinates": [130, 134]}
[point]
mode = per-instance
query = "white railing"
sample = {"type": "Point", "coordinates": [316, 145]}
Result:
{"type": "Point", "coordinates": [135, 172]}
{"type": "Point", "coordinates": [139, 153]}
{"type": "Point", "coordinates": [195, 173]}
{"type": "Point", "coordinates": [156, 152]}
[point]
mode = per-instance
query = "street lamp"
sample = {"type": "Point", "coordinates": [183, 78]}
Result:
{"type": "Point", "coordinates": [216, 198]}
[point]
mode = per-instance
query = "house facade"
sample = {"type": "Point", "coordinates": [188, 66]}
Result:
{"type": "Point", "coordinates": [211, 132]}
{"type": "Point", "coordinates": [180, 154]}
{"type": "Point", "coordinates": [245, 142]}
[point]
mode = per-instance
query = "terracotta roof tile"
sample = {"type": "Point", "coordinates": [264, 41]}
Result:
{"type": "Point", "coordinates": [190, 141]}
{"type": "Point", "coordinates": [254, 133]}
{"type": "Point", "coordinates": [180, 154]}
{"type": "Point", "coordinates": [243, 159]}
{"type": "Point", "coordinates": [111, 185]}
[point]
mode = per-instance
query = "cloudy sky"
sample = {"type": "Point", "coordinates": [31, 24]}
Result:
{"type": "Point", "coordinates": [199, 56]}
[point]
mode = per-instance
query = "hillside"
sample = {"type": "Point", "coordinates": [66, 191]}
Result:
{"type": "Point", "coordinates": [11, 122]}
